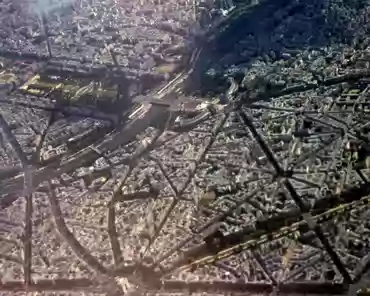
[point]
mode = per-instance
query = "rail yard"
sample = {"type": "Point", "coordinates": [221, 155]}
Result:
{"type": "Point", "coordinates": [185, 148]}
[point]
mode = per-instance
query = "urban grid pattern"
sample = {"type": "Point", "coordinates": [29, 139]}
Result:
{"type": "Point", "coordinates": [184, 148]}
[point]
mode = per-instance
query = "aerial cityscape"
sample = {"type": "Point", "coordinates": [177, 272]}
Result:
{"type": "Point", "coordinates": [189, 147]}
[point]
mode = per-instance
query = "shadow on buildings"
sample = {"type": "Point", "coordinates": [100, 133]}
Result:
{"type": "Point", "coordinates": [274, 27]}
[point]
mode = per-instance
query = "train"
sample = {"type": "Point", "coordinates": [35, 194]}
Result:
{"type": "Point", "coordinates": [52, 155]}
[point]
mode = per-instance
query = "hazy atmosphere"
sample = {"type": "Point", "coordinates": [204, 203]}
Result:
{"type": "Point", "coordinates": [184, 147]}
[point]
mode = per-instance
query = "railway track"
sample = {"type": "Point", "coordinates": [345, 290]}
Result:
{"type": "Point", "coordinates": [268, 193]}
{"type": "Point", "coordinates": [289, 224]}
{"type": "Point", "coordinates": [144, 115]}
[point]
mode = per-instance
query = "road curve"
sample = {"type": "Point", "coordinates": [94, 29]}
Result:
{"type": "Point", "coordinates": [11, 188]}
